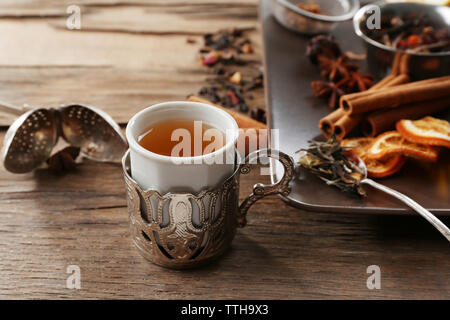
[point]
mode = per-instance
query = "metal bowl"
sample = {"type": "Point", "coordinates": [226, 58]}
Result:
{"type": "Point", "coordinates": [289, 15]}
{"type": "Point", "coordinates": [380, 56]}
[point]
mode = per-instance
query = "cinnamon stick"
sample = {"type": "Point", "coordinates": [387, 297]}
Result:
{"type": "Point", "coordinates": [356, 95]}
{"type": "Point", "coordinates": [341, 124]}
{"type": "Point", "coordinates": [395, 71]}
{"type": "Point", "coordinates": [326, 124]}
{"type": "Point", "coordinates": [403, 67]}
{"type": "Point", "coordinates": [243, 121]}
{"type": "Point", "coordinates": [346, 124]}
{"type": "Point", "coordinates": [394, 96]}
{"type": "Point", "coordinates": [384, 120]}
{"type": "Point", "coordinates": [382, 83]}
{"type": "Point", "coordinates": [251, 128]}
{"type": "Point", "coordinates": [398, 80]}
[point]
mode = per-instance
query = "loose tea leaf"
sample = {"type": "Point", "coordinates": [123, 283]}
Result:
{"type": "Point", "coordinates": [63, 160]}
{"type": "Point", "coordinates": [226, 54]}
{"type": "Point", "coordinates": [333, 164]}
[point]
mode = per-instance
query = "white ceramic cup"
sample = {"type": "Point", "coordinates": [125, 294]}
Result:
{"type": "Point", "coordinates": [187, 174]}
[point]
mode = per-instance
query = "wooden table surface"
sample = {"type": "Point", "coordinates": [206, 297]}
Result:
{"type": "Point", "coordinates": [133, 53]}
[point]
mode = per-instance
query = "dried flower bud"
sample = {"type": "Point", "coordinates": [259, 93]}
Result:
{"type": "Point", "coordinates": [247, 48]}
{"type": "Point", "coordinates": [211, 58]}
{"type": "Point", "coordinates": [234, 98]}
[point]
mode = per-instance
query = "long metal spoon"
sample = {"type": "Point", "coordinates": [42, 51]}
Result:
{"type": "Point", "coordinates": [406, 200]}
{"type": "Point", "coordinates": [30, 140]}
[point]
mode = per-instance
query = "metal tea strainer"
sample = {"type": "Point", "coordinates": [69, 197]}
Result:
{"type": "Point", "coordinates": [29, 141]}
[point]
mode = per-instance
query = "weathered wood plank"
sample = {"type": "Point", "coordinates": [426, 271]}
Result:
{"type": "Point", "coordinates": [117, 72]}
{"type": "Point", "coordinates": [166, 20]}
{"type": "Point", "coordinates": [57, 8]}
{"type": "Point", "coordinates": [18, 4]}
{"type": "Point", "coordinates": [121, 93]}
{"type": "Point", "coordinates": [282, 253]}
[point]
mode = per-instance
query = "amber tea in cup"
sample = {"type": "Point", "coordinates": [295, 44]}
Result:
{"type": "Point", "coordinates": [182, 138]}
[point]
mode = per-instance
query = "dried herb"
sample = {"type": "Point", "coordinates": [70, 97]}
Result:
{"type": "Point", "coordinates": [224, 53]}
{"type": "Point", "coordinates": [242, 107]}
{"type": "Point", "coordinates": [63, 160]}
{"type": "Point", "coordinates": [327, 89]}
{"type": "Point", "coordinates": [342, 75]}
{"type": "Point", "coordinates": [257, 82]}
{"type": "Point", "coordinates": [356, 81]}
{"type": "Point", "coordinates": [259, 115]}
{"type": "Point", "coordinates": [211, 58]}
{"type": "Point", "coordinates": [323, 46]}
{"type": "Point", "coordinates": [336, 69]}
{"type": "Point", "coordinates": [191, 40]}
{"type": "Point", "coordinates": [332, 163]}
{"type": "Point", "coordinates": [236, 78]}
{"type": "Point", "coordinates": [412, 32]}
{"type": "Point", "coordinates": [225, 47]}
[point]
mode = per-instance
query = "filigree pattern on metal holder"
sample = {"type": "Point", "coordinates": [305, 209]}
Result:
{"type": "Point", "coordinates": [164, 227]}
{"type": "Point", "coordinates": [184, 230]}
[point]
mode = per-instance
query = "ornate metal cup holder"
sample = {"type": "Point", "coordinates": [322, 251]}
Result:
{"type": "Point", "coordinates": [184, 230]}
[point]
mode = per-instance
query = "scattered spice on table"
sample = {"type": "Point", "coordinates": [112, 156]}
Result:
{"type": "Point", "coordinates": [235, 75]}
{"type": "Point", "coordinates": [191, 40]}
{"type": "Point", "coordinates": [225, 47]}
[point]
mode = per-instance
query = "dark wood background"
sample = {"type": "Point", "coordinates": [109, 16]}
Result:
{"type": "Point", "coordinates": [133, 53]}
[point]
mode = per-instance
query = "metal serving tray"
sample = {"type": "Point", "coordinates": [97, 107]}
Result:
{"type": "Point", "coordinates": [293, 109]}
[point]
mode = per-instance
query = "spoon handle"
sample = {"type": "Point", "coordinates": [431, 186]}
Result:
{"type": "Point", "coordinates": [414, 205]}
{"type": "Point", "coordinates": [4, 106]}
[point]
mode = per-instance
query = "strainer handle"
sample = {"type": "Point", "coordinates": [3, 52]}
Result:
{"type": "Point", "coordinates": [7, 107]}
{"type": "Point", "coordinates": [431, 218]}
{"type": "Point", "coordinates": [260, 190]}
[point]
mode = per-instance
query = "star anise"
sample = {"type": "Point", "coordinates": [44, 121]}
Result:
{"type": "Point", "coordinates": [63, 160]}
{"type": "Point", "coordinates": [335, 69]}
{"type": "Point", "coordinates": [328, 89]}
{"type": "Point", "coordinates": [323, 45]}
{"type": "Point", "coordinates": [358, 82]}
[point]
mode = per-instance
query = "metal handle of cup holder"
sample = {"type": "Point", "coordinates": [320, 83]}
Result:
{"type": "Point", "coordinates": [261, 190]}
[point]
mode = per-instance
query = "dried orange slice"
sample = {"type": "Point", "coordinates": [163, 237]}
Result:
{"type": "Point", "coordinates": [375, 168]}
{"type": "Point", "coordinates": [428, 130]}
{"type": "Point", "coordinates": [393, 143]}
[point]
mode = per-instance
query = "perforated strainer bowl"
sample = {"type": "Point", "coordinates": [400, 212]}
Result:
{"type": "Point", "coordinates": [30, 140]}
{"type": "Point", "coordinates": [94, 131]}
